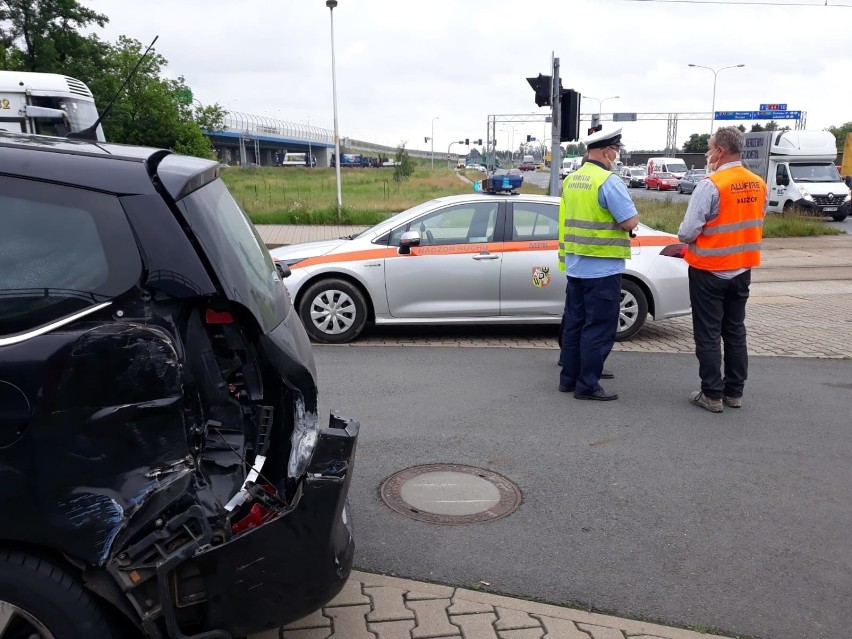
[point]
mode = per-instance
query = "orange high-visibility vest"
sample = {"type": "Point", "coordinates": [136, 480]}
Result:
{"type": "Point", "coordinates": [732, 240]}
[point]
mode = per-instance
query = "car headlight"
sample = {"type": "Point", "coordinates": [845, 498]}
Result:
{"type": "Point", "coordinates": [805, 195]}
{"type": "Point", "coordinates": [303, 441]}
{"type": "Point", "coordinates": [848, 197]}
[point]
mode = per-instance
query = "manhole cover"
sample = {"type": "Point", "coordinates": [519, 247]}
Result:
{"type": "Point", "coordinates": [450, 494]}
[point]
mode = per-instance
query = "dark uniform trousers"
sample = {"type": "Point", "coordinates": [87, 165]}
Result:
{"type": "Point", "coordinates": [589, 325]}
{"type": "Point", "coordinates": [718, 311]}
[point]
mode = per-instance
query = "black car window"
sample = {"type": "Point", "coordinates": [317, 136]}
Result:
{"type": "Point", "coordinates": [237, 254]}
{"type": "Point", "coordinates": [470, 223]}
{"type": "Point", "coordinates": [535, 221]}
{"type": "Point", "coordinates": [62, 250]}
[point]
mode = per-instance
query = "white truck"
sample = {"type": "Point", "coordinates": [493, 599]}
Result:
{"type": "Point", "coordinates": [45, 104]}
{"type": "Point", "coordinates": [675, 166]}
{"type": "Point", "coordinates": [569, 165]}
{"type": "Point", "coordinates": [799, 170]}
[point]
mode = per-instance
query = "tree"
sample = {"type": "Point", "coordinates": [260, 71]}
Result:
{"type": "Point", "coordinates": [42, 35]}
{"type": "Point", "coordinates": [772, 125]}
{"type": "Point", "coordinates": [211, 118]}
{"type": "Point", "coordinates": [403, 166]}
{"type": "Point", "coordinates": [150, 110]}
{"type": "Point", "coordinates": [840, 133]}
{"type": "Point", "coordinates": [741, 128]}
{"type": "Point", "coordinates": [697, 143]}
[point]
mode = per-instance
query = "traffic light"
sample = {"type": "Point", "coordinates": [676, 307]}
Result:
{"type": "Point", "coordinates": [595, 129]}
{"type": "Point", "coordinates": [541, 86]}
{"type": "Point", "coordinates": [529, 137]}
{"type": "Point", "coordinates": [467, 141]}
{"type": "Point", "coordinates": [569, 120]}
{"type": "Point", "coordinates": [479, 141]}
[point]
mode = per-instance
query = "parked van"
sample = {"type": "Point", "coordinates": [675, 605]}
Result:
{"type": "Point", "coordinates": [675, 166]}
{"type": "Point", "coordinates": [298, 159]}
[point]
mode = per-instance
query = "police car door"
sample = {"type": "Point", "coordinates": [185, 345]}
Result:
{"type": "Point", "coordinates": [455, 271]}
{"type": "Point", "coordinates": [530, 281]}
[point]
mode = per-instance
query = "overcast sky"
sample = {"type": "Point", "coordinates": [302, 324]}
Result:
{"type": "Point", "coordinates": [401, 63]}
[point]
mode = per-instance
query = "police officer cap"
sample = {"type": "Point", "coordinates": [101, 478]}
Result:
{"type": "Point", "coordinates": [603, 139]}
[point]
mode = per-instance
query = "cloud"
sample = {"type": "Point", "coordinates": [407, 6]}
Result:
{"type": "Point", "coordinates": [398, 64]}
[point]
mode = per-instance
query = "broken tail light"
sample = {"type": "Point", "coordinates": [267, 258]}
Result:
{"type": "Point", "coordinates": [303, 440]}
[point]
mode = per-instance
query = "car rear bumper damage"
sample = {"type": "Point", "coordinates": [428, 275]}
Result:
{"type": "Point", "coordinates": [282, 562]}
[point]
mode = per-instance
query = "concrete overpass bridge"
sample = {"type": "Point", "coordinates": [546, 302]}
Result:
{"type": "Point", "coordinates": [249, 139]}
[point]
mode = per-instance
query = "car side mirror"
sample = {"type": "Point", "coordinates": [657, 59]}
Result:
{"type": "Point", "coordinates": [408, 239]}
{"type": "Point", "coordinates": [782, 180]}
{"type": "Point", "coordinates": [283, 269]}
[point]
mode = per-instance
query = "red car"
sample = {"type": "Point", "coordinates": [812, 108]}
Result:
{"type": "Point", "coordinates": [661, 181]}
{"type": "Point", "coordinates": [528, 166]}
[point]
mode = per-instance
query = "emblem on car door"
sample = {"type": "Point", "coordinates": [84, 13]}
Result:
{"type": "Point", "coordinates": [541, 276]}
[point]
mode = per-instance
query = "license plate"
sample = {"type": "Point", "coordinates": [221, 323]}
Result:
{"type": "Point", "coordinates": [829, 209]}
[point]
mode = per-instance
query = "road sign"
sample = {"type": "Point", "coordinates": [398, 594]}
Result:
{"type": "Point", "coordinates": [773, 107]}
{"type": "Point", "coordinates": [758, 115]}
{"type": "Point", "coordinates": [624, 117]}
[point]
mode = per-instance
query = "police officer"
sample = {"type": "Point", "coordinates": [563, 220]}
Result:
{"type": "Point", "coordinates": [596, 216]}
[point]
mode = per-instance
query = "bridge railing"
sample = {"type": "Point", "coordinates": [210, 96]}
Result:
{"type": "Point", "coordinates": [238, 122]}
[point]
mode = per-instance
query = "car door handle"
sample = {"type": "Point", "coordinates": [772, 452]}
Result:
{"type": "Point", "coordinates": [486, 256]}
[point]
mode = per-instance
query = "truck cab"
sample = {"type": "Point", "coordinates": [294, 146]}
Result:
{"type": "Point", "coordinates": [45, 104]}
{"type": "Point", "coordinates": [799, 170]}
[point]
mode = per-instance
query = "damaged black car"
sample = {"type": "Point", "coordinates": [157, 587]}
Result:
{"type": "Point", "coordinates": [163, 468]}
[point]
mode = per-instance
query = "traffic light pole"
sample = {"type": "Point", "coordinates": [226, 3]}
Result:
{"type": "Point", "coordinates": [555, 148]}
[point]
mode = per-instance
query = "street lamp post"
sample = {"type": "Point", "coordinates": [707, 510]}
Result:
{"type": "Point", "coordinates": [331, 4]}
{"type": "Point", "coordinates": [432, 140]}
{"type": "Point", "coordinates": [600, 102]}
{"type": "Point", "coordinates": [715, 73]}
{"type": "Point", "coordinates": [511, 144]}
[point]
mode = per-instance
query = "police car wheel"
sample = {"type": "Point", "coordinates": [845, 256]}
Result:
{"type": "Point", "coordinates": [40, 600]}
{"type": "Point", "coordinates": [839, 217]}
{"type": "Point", "coordinates": [633, 310]}
{"type": "Point", "coordinates": [333, 311]}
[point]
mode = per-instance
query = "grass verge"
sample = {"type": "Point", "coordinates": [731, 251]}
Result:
{"type": "Point", "coordinates": [296, 195]}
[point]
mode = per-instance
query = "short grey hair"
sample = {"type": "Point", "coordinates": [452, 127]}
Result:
{"type": "Point", "coordinates": [730, 138]}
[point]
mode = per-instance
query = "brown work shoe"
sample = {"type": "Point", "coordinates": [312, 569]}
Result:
{"type": "Point", "coordinates": [733, 402]}
{"type": "Point", "coordinates": [700, 399]}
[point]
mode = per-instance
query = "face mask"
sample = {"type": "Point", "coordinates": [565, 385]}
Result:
{"type": "Point", "coordinates": [711, 165]}
{"type": "Point", "coordinates": [613, 162]}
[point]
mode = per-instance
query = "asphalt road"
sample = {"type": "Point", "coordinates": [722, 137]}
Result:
{"type": "Point", "coordinates": [646, 507]}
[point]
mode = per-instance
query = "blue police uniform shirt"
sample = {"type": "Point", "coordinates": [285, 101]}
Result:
{"type": "Point", "coordinates": [615, 198]}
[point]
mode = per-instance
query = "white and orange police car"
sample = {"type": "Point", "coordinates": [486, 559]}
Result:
{"type": "Point", "coordinates": [467, 259]}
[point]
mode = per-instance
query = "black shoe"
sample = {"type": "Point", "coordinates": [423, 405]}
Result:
{"type": "Point", "coordinates": [599, 395]}
{"type": "Point", "coordinates": [566, 389]}
{"type": "Point", "coordinates": [559, 363]}
{"type": "Point", "coordinates": [607, 374]}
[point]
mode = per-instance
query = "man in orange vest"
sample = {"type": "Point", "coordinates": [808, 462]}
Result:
{"type": "Point", "coordinates": [723, 228]}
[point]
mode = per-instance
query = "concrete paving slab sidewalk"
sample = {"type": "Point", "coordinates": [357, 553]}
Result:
{"type": "Point", "coordinates": [380, 607]}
